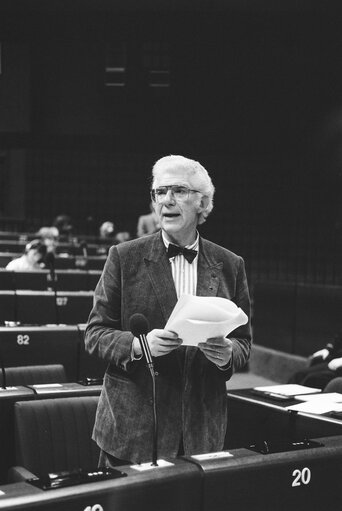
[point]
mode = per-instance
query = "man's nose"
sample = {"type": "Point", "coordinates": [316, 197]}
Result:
{"type": "Point", "coordinates": [169, 197]}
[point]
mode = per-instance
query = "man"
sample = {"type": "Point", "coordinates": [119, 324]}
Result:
{"type": "Point", "coordinates": [139, 277]}
{"type": "Point", "coordinates": [148, 224]}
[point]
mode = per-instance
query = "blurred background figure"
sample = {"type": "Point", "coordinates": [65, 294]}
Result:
{"type": "Point", "coordinates": [147, 224]}
{"type": "Point", "coordinates": [32, 258]}
{"type": "Point", "coordinates": [49, 236]}
{"type": "Point", "coordinates": [122, 236]}
{"type": "Point", "coordinates": [64, 226]}
{"type": "Point", "coordinates": [324, 365]}
{"type": "Point", "coordinates": [106, 231]}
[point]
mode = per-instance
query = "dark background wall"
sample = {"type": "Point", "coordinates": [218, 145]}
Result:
{"type": "Point", "coordinates": [255, 94]}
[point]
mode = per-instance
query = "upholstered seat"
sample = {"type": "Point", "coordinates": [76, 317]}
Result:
{"type": "Point", "coordinates": [54, 435]}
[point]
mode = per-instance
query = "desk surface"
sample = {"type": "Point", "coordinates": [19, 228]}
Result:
{"type": "Point", "coordinates": [247, 396]}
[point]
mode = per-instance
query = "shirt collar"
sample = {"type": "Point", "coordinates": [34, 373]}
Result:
{"type": "Point", "coordinates": [193, 246]}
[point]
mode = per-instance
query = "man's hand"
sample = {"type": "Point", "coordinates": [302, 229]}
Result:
{"type": "Point", "coordinates": [335, 364]}
{"type": "Point", "coordinates": [218, 350]}
{"type": "Point", "coordinates": [161, 342]}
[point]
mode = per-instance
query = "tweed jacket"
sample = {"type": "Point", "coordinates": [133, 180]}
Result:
{"type": "Point", "coordinates": [191, 391]}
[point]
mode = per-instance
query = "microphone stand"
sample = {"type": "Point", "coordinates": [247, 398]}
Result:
{"type": "Point", "coordinates": [148, 357]}
{"type": "Point", "coordinates": [54, 287]}
{"type": "Point", "coordinates": [3, 372]}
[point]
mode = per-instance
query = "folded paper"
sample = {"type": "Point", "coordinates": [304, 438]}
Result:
{"type": "Point", "coordinates": [198, 318]}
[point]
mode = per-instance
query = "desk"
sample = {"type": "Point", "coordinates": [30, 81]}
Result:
{"type": "Point", "coordinates": [172, 488]}
{"type": "Point", "coordinates": [252, 419]}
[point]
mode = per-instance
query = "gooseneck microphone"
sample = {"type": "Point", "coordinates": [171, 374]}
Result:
{"type": "Point", "coordinates": [3, 372]}
{"type": "Point", "coordinates": [50, 263]}
{"type": "Point", "coordinates": [139, 327]}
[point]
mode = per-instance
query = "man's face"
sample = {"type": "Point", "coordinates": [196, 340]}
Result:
{"type": "Point", "coordinates": [178, 218]}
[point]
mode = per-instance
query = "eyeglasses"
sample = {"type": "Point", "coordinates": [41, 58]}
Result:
{"type": "Point", "coordinates": [179, 193]}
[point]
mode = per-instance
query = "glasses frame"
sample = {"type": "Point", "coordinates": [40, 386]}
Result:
{"type": "Point", "coordinates": [170, 188]}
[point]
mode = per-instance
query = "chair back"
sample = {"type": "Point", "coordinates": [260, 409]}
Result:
{"type": "Point", "coordinates": [31, 375]}
{"type": "Point", "coordinates": [55, 434]}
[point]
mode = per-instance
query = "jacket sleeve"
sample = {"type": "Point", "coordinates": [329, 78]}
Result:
{"type": "Point", "coordinates": [104, 336]}
{"type": "Point", "coordinates": [242, 336]}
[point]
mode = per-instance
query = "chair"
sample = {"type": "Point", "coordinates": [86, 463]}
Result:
{"type": "Point", "coordinates": [53, 435]}
{"type": "Point", "coordinates": [31, 375]}
{"type": "Point", "coordinates": [335, 385]}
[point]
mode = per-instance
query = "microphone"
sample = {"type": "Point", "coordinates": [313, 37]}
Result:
{"type": "Point", "coordinates": [3, 372]}
{"type": "Point", "coordinates": [139, 327]}
{"type": "Point", "coordinates": [50, 263]}
{"type": "Point", "coordinates": [84, 248]}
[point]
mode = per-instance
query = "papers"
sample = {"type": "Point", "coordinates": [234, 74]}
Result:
{"type": "Point", "coordinates": [197, 318]}
{"type": "Point", "coordinates": [289, 389]}
{"type": "Point", "coordinates": [334, 397]}
{"type": "Point", "coordinates": [318, 403]}
{"type": "Point", "coordinates": [316, 406]}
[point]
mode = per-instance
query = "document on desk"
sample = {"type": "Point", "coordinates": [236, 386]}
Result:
{"type": "Point", "coordinates": [197, 318]}
{"type": "Point", "coordinates": [323, 397]}
{"type": "Point", "coordinates": [288, 389]}
{"type": "Point", "coordinates": [316, 406]}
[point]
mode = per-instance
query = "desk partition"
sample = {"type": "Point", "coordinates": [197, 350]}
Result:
{"type": "Point", "coordinates": [41, 345]}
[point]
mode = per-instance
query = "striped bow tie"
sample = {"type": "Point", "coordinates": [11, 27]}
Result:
{"type": "Point", "coordinates": [174, 250]}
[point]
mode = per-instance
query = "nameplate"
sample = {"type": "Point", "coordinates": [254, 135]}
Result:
{"type": "Point", "coordinates": [46, 385]}
{"type": "Point", "coordinates": [150, 466]}
{"type": "Point", "coordinates": [212, 455]}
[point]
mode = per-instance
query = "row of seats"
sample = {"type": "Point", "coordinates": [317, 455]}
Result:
{"type": "Point", "coordinates": [54, 435]}
{"type": "Point", "coordinates": [40, 280]}
{"type": "Point", "coordinates": [295, 318]}
{"type": "Point", "coordinates": [92, 262]}
{"type": "Point", "coordinates": [62, 247]}
{"type": "Point", "coordinates": [45, 307]}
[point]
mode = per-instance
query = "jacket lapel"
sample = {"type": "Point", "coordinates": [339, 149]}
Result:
{"type": "Point", "coordinates": [209, 271]}
{"type": "Point", "coordinates": [159, 271]}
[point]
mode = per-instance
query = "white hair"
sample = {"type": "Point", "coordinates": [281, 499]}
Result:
{"type": "Point", "coordinates": [191, 168]}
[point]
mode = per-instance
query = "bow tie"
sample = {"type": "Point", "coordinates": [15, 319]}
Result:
{"type": "Point", "coordinates": [174, 250]}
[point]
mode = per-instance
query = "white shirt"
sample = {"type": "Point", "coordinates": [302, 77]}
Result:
{"type": "Point", "coordinates": [184, 273]}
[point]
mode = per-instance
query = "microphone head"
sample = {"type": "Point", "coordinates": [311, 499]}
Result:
{"type": "Point", "coordinates": [83, 244]}
{"type": "Point", "coordinates": [138, 325]}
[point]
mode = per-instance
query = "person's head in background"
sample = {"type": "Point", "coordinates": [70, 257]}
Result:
{"type": "Point", "coordinates": [49, 236]}
{"type": "Point", "coordinates": [64, 226]}
{"type": "Point", "coordinates": [122, 236]}
{"type": "Point", "coordinates": [106, 230]}
{"type": "Point", "coordinates": [182, 194]}
{"type": "Point", "coordinates": [35, 251]}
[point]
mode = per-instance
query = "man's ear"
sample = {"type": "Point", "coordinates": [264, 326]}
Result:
{"type": "Point", "coordinates": [204, 203]}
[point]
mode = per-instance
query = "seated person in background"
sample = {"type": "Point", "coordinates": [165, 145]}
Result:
{"type": "Point", "coordinates": [122, 236]}
{"type": "Point", "coordinates": [148, 224]}
{"type": "Point", "coordinates": [49, 236]}
{"type": "Point", "coordinates": [106, 237]}
{"type": "Point", "coordinates": [335, 385]}
{"type": "Point", "coordinates": [324, 365]}
{"type": "Point", "coordinates": [64, 226]}
{"type": "Point", "coordinates": [106, 231]}
{"type": "Point", "coordinates": [35, 251]}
